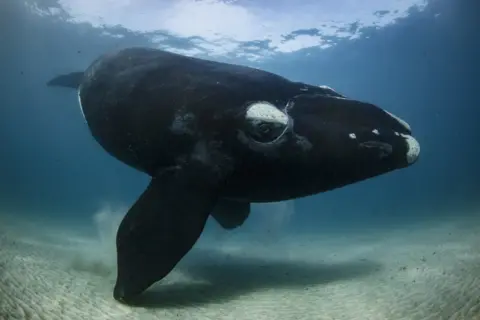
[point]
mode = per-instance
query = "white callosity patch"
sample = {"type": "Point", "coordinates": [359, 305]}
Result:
{"type": "Point", "coordinates": [265, 128]}
{"type": "Point", "coordinates": [401, 121]}
{"type": "Point", "coordinates": [265, 124]}
{"type": "Point", "coordinates": [80, 103]}
{"type": "Point", "coordinates": [266, 112]}
{"type": "Point", "coordinates": [322, 86]}
{"type": "Point", "coordinates": [352, 136]}
{"type": "Point", "coordinates": [413, 148]}
{"type": "Point", "coordinates": [333, 92]}
{"type": "Point", "coordinates": [375, 131]}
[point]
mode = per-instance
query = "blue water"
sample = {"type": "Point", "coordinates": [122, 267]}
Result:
{"type": "Point", "coordinates": [425, 68]}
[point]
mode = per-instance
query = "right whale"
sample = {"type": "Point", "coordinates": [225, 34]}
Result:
{"type": "Point", "coordinates": [216, 137]}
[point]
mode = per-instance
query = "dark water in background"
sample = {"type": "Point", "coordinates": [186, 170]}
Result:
{"type": "Point", "coordinates": [425, 69]}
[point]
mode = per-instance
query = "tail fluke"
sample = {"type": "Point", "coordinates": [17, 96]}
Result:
{"type": "Point", "coordinates": [70, 80]}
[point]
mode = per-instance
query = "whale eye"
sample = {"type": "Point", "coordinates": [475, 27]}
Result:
{"type": "Point", "coordinates": [264, 122]}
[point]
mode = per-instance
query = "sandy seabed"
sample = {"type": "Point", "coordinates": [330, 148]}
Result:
{"type": "Point", "coordinates": [425, 271]}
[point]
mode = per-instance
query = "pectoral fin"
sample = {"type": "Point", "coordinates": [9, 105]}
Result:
{"type": "Point", "coordinates": [161, 227]}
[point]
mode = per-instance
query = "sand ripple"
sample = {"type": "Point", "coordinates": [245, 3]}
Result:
{"type": "Point", "coordinates": [417, 274]}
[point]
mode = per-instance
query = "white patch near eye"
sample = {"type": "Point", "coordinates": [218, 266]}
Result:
{"type": "Point", "coordinates": [352, 136]}
{"type": "Point", "coordinates": [80, 103]}
{"type": "Point", "coordinates": [402, 122]}
{"type": "Point", "coordinates": [397, 134]}
{"type": "Point", "coordinates": [264, 111]}
{"type": "Point", "coordinates": [375, 131]}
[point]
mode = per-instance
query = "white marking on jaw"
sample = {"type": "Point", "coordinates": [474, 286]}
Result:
{"type": "Point", "coordinates": [375, 131]}
{"type": "Point", "coordinates": [80, 103]}
{"type": "Point", "coordinates": [401, 121]}
{"type": "Point", "coordinates": [352, 136]}
{"type": "Point", "coordinates": [413, 148]}
{"type": "Point", "coordinates": [264, 111]}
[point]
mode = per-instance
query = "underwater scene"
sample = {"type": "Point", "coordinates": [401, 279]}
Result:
{"type": "Point", "coordinates": [239, 159]}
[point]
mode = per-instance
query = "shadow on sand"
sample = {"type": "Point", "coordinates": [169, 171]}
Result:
{"type": "Point", "coordinates": [226, 277]}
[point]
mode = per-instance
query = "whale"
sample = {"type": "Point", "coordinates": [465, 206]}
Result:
{"type": "Point", "coordinates": [216, 137]}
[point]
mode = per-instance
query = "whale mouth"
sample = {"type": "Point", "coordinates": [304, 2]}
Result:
{"type": "Point", "coordinates": [403, 149]}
